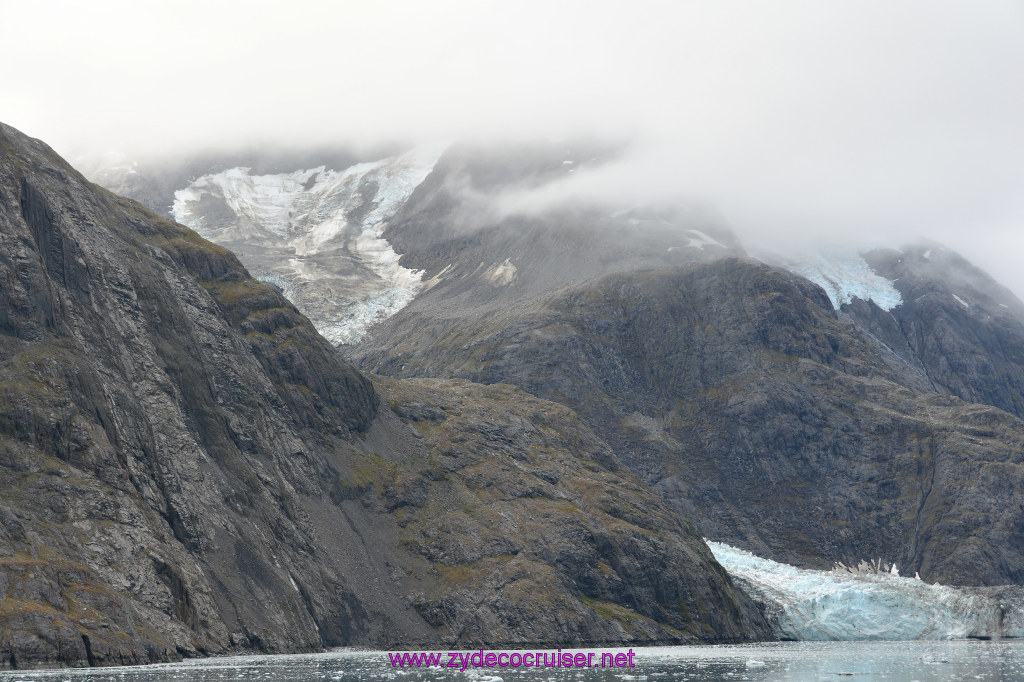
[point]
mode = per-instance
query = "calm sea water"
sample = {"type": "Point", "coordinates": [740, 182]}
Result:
{"type": "Point", "coordinates": [798, 661]}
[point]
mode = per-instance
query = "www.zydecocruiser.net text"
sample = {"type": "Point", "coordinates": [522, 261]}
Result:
{"type": "Point", "coordinates": [462, 660]}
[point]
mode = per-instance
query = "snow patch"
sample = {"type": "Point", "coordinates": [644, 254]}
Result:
{"type": "Point", "coordinates": [839, 605]}
{"type": "Point", "coordinates": [845, 276]}
{"type": "Point", "coordinates": [700, 240]}
{"type": "Point", "coordinates": [961, 301]}
{"type": "Point", "coordinates": [436, 279]}
{"type": "Point", "coordinates": [502, 274]}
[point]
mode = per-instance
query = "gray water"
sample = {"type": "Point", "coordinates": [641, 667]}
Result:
{"type": "Point", "coordinates": [897, 661]}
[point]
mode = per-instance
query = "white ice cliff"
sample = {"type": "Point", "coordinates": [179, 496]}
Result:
{"type": "Point", "coordinates": [839, 605]}
{"type": "Point", "coordinates": [316, 233]}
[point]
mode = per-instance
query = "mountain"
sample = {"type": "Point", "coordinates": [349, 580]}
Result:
{"type": "Point", "coordinates": [815, 408]}
{"type": "Point", "coordinates": [881, 422]}
{"type": "Point", "coordinates": [734, 389]}
{"type": "Point", "coordinates": [187, 467]}
{"type": "Point", "coordinates": [536, 534]}
{"type": "Point", "coordinates": [957, 325]}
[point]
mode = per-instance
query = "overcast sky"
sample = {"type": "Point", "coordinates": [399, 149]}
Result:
{"type": "Point", "coordinates": [795, 119]}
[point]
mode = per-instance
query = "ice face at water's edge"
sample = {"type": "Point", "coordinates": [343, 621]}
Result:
{"type": "Point", "coordinates": [838, 605]}
{"type": "Point", "coordinates": [317, 234]}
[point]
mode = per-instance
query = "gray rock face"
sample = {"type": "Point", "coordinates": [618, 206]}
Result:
{"type": "Point", "coordinates": [169, 431]}
{"type": "Point", "coordinates": [533, 527]}
{"type": "Point", "coordinates": [964, 330]}
{"type": "Point", "coordinates": [187, 467]}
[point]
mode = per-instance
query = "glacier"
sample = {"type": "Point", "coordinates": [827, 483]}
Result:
{"type": "Point", "coordinates": [839, 605]}
{"type": "Point", "coordinates": [845, 275]}
{"type": "Point", "coordinates": [316, 233]}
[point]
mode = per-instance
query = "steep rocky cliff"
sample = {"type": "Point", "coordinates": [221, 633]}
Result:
{"type": "Point", "coordinates": [870, 411]}
{"type": "Point", "coordinates": [187, 467]}
{"type": "Point", "coordinates": [169, 431]}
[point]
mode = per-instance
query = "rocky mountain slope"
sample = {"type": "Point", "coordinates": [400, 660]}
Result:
{"type": "Point", "coordinates": [188, 467]}
{"type": "Point", "coordinates": [536, 533]}
{"type": "Point", "coordinates": [735, 389]}
{"type": "Point", "coordinates": [957, 326]}
{"type": "Point", "coordinates": [313, 225]}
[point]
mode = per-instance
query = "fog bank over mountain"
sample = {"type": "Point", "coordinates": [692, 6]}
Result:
{"type": "Point", "coordinates": [797, 121]}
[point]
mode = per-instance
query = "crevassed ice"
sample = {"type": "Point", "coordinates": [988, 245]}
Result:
{"type": "Point", "coordinates": [837, 605]}
{"type": "Point", "coordinates": [315, 233]}
{"type": "Point", "coordinates": [845, 276]}
{"type": "Point", "coordinates": [352, 324]}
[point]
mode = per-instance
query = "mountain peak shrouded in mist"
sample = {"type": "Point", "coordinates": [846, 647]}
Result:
{"type": "Point", "coordinates": [314, 227]}
{"type": "Point", "coordinates": [794, 120]}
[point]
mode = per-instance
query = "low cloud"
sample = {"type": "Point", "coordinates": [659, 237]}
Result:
{"type": "Point", "coordinates": [798, 120]}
